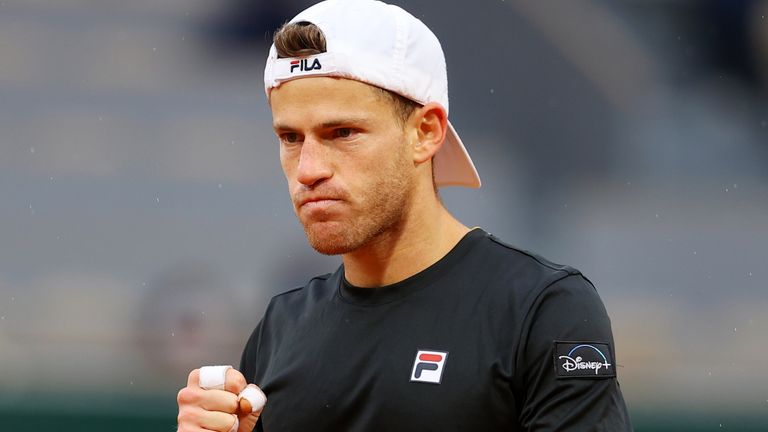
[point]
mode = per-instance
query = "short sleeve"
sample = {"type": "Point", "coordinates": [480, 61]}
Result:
{"type": "Point", "coordinates": [566, 366]}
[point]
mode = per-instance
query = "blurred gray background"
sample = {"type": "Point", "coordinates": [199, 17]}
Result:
{"type": "Point", "coordinates": [145, 222]}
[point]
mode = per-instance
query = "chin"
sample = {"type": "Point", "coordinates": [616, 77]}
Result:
{"type": "Point", "coordinates": [328, 248]}
{"type": "Point", "coordinates": [330, 238]}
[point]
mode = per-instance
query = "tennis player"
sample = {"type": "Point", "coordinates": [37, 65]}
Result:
{"type": "Point", "coordinates": [427, 325]}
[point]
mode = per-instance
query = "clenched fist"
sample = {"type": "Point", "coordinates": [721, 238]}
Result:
{"type": "Point", "coordinates": [223, 401]}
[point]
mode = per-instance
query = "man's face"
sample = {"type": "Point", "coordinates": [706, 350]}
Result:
{"type": "Point", "coordinates": [346, 159]}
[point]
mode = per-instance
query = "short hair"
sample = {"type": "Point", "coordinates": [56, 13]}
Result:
{"type": "Point", "coordinates": [302, 39]}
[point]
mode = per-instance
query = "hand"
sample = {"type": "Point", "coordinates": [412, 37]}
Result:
{"type": "Point", "coordinates": [218, 410]}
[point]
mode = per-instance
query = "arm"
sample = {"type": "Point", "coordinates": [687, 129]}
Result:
{"type": "Point", "coordinates": [566, 364]}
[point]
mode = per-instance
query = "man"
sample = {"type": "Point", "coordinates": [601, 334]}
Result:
{"type": "Point", "coordinates": [427, 325]}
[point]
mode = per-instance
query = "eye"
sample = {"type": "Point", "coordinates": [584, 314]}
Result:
{"type": "Point", "coordinates": [290, 138]}
{"type": "Point", "coordinates": [343, 132]}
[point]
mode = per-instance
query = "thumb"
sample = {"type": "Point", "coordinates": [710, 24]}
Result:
{"type": "Point", "coordinates": [252, 401]}
{"type": "Point", "coordinates": [248, 423]}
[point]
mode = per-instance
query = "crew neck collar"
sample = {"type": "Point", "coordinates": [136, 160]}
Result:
{"type": "Point", "coordinates": [390, 293]}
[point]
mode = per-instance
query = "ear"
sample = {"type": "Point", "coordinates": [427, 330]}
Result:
{"type": "Point", "coordinates": [430, 125]}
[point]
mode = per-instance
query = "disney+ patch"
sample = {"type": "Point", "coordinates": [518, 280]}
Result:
{"type": "Point", "coordinates": [584, 360]}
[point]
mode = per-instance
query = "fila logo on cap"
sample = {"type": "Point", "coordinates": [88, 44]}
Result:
{"type": "Point", "coordinates": [304, 66]}
{"type": "Point", "coordinates": [428, 366]}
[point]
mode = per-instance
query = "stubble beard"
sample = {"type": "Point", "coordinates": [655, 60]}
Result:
{"type": "Point", "coordinates": [376, 215]}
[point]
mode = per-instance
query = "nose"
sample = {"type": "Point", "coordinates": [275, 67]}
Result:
{"type": "Point", "coordinates": [314, 166]}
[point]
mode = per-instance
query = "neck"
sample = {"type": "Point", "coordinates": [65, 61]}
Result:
{"type": "Point", "coordinates": [425, 235]}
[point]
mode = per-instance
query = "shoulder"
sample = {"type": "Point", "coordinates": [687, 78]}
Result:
{"type": "Point", "coordinates": [528, 273]}
{"type": "Point", "coordinates": [287, 309]}
{"type": "Point", "coordinates": [536, 293]}
{"type": "Point", "coordinates": [297, 300]}
{"type": "Point", "coordinates": [525, 257]}
{"type": "Point", "coordinates": [319, 282]}
{"type": "Point", "coordinates": [546, 278]}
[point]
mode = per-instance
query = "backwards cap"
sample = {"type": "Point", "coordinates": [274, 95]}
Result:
{"type": "Point", "coordinates": [385, 46]}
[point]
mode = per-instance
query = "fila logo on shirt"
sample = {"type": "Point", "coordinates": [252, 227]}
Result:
{"type": "Point", "coordinates": [304, 65]}
{"type": "Point", "coordinates": [428, 366]}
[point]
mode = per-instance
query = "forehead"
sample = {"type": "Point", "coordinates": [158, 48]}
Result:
{"type": "Point", "coordinates": [321, 98]}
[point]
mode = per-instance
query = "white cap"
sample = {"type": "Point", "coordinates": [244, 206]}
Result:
{"type": "Point", "coordinates": [385, 46]}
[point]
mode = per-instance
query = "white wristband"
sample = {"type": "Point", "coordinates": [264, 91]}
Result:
{"type": "Point", "coordinates": [213, 377]}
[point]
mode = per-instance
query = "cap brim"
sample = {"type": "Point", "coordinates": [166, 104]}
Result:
{"type": "Point", "coordinates": [452, 165]}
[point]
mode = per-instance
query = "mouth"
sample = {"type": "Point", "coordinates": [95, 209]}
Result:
{"type": "Point", "coordinates": [317, 202]}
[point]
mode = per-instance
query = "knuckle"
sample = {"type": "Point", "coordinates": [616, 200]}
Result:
{"type": "Point", "coordinates": [187, 417]}
{"type": "Point", "coordinates": [182, 397]}
{"type": "Point", "coordinates": [235, 380]}
{"type": "Point", "coordinates": [240, 380]}
{"type": "Point", "coordinates": [186, 396]}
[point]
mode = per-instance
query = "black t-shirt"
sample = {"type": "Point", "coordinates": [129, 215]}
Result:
{"type": "Point", "coordinates": [489, 338]}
